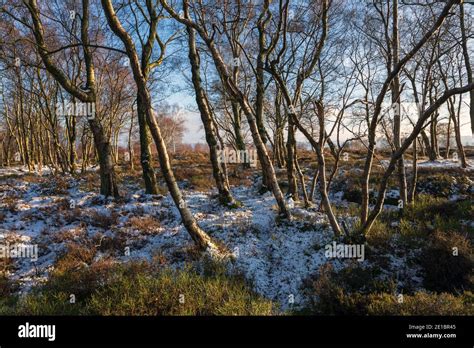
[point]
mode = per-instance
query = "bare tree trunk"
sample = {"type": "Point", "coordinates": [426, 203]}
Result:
{"type": "Point", "coordinates": [197, 234]}
{"type": "Point", "coordinates": [408, 141]}
{"type": "Point", "coordinates": [313, 184]}
{"type": "Point", "coordinates": [146, 159]}
{"type": "Point", "coordinates": [279, 152]}
{"type": "Point", "coordinates": [130, 144]}
{"type": "Point", "coordinates": [237, 123]}
{"type": "Point", "coordinates": [457, 133]}
{"type": "Point", "coordinates": [455, 118]}
{"type": "Point", "coordinates": [324, 194]}
{"type": "Point", "coordinates": [301, 180]}
{"type": "Point", "coordinates": [108, 179]}
{"type": "Point", "coordinates": [378, 107]}
{"type": "Point", "coordinates": [448, 139]}
{"type": "Point", "coordinates": [396, 101]}
{"type": "Point", "coordinates": [319, 148]}
{"type": "Point", "coordinates": [290, 162]}
{"type": "Point", "coordinates": [434, 150]}
{"type": "Point", "coordinates": [225, 197]}
{"type": "Point", "coordinates": [414, 177]}
{"type": "Point", "coordinates": [467, 63]}
{"type": "Point", "coordinates": [235, 93]}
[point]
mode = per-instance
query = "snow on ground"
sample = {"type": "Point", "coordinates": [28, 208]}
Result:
{"type": "Point", "coordinates": [445, 164]}
{"type": "Point", "coordinates": [441, 163]}
{"type": "Point", "coordinates": [275, 257]}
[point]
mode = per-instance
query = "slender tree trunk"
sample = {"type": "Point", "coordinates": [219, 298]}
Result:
{"type": "Point", "coordinates": [457, 133]}
{"type": "Point", "coordinates": [448, 139]}
{"type": "Point", "coordinates": [301, 180]}
{"type": "Point", "coordinates": [407, 142]}
{"type": "Point", "coordinates": [197, 234]}
{"type": "Point", "coordinates": [106, 170]}
{"type": "Point", "coordinates": [313, 184]}
{"type": "Point", "coordinates": [414, 177]}
{"type": "Point", "coordinates": [130, 144]}
{"type": "Point", "coordinates": [237, 124]}
{"type": "Point", "coordinates": [225, 197]}
{"type": "Point", "coordinates": [434, 151]}
{"type": "Point", "coordinates": [319, 148]}
{"type": "Point", "coordinates": [467, 63]}
{"type": "Point", "coordinates": [324, 194]}
{"type": "Point", "coordinates": [290, 162]}
{"type": "Point", "coordinates": [146, 159]}
{"type": "Point", "coordinates": [279, 142]}
{"type": "Point", "coordinates": [235, 93]}
{"type": "Point", "coordinates": [396, 101]}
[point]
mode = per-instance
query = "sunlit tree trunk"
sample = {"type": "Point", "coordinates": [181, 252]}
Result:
{"type": "Point", "coordinates": [225, 197]}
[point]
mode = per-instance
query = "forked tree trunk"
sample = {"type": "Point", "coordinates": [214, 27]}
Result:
{"type": "Point", "coordinates": [374, 121]}
{"type": "Point", "coordinates": [235, 93]}
{"type": "Point", "coordinates": [319, 148]}
{"type": "Point", "coordinates": [454, 117]}
{"type": "Point", "coordinates": [108, 184]}
{"type": "Point", "coordinates": [407, 142]}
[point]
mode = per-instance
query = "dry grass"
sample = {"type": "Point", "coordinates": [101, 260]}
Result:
{"type": "Point", "coordinates": [55, 185]}
{"type": "Point", "coordinates": [144, 224]}
{"type": "Point", "coordinates": [9, 202]}
{"type": "Point", "coordinates": [69, 235]}
{"type": "Point", "coordinates": [114, 244]}
{"type": "Point", "coordinates": [76, 256]}
{"type": "Point", "coordinates": [90, 182]}
{"type": "Point", "coordinates": [34, 179]}
{"type": "Point", "coordinates": [103, 220]}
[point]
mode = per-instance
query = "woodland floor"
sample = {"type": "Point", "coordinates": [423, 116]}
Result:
{"type": "Point", "coordinates": [278, 259]}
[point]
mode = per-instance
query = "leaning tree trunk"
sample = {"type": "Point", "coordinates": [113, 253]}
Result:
{"type": "Point", "coordinates": [319, 148]}
{"type": "Point", "coordinates": [313, 184]}
{"type": "Point", "coordinates": [225, 197]}
{"type": "Point", "coordinates": [197, 234]}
